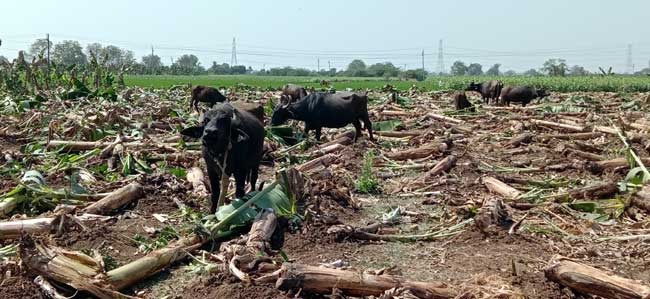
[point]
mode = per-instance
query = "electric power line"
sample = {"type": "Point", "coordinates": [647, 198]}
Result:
{"type": "Point", "coordinates": [285, 56]}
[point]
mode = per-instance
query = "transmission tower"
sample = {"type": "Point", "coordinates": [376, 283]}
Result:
{"type": "Point", "coordinates": [630, 65]}
{"type": "Point", "coordinates": [233, 58]}
{"type": "Point", "coordinates": [441, 64]}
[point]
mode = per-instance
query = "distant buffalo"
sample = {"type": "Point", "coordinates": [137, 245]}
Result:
{"type": "Point", "coordinates": [205, 94]}
{"type": "Point", "coordinates": [489, 90]}
{"type": "Point", "coordinates": [324, 83]}
{"type": "Point", "coordinates": [253, 108]}
{"type": "Point", "coordinates": [293, 92]}
{"type": "Point", "coordinates": [523, 94]}
{"type": "Point", "coordinates": [329, 110]}
{"type": "Point", "coordinates": [461, 102]}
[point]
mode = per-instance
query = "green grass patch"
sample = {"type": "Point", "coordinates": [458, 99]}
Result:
{"type": "Point", "coordinates": [558, 84]}
{"type": "Point", "coordinates": [367, 182]}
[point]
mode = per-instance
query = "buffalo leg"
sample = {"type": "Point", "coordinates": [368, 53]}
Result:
{"type": "Point", "coordinates": [368, 125]}
{"type": "Point", "coordinates": [307, 128]}
{"type": "Point", "coordinates": [214, 174]}
{"type": "Point", "coordinates": [318, 132]}
{"type": "Point", "coordinates": [357, 128]}
{"type": "Point", "coordinates": [254, 173]}
{"type": "Point", "coordinates": [240, 183]}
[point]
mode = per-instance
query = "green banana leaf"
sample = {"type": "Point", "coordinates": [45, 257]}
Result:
{"type": "Point", "coordinates": [275, 199]}
{"type": "Point", "coordinates": [387, 125]}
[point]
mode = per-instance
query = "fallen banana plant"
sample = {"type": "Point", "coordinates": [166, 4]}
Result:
{"type": "Point", "coordinates": [35, 195]}
{"type": "Point", "coordinates": [84, 273]}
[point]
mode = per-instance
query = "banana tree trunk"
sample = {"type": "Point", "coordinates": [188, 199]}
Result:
{"type": "Point", "coordinates": [152, 263]}
{"type": "Point", "coordinates": [13, 229]}
{"type": "Point", "coordinates": [352, 283]}
{"type": "Point", "coordinates": [69, 267]}
{"type": "Point", "coordinates": [116, 199]}
{"type": "Point", "coordinates": [589, 280]}
{"type": "Point", "coordinates": [501, 188]}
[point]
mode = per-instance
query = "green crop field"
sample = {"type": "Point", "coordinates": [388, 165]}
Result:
{"type": "Point", "coordinates": [558, 84]}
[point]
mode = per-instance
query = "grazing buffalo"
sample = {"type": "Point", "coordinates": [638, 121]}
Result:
{"type": "Point", "coordinates": [205, 94]}
{"type": "Point", "coordinates": [324, 83]}
{"type": "Point", "coordinates": [293, 92]}
{"type": "Point", "coordinates": [523, 94]}
{"type": "Point", "coordinates": [226, 129]}
{"type": "Point", "coordinates": [489, 90]}
{"type": "Point", "coordinates": [329, 110]}
{"type": "Point", "coordinates": [252, 108]}
{"type": "Point", "coordinates": [461, 102]}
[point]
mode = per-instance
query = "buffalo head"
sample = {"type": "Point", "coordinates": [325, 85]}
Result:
{"type": "Point", "coordinates": [542, 93]}
{"type": "Point", "coordinates": [281, 113]}
{"type": "Point", "coordinates": [473, 87]}
{"type": "Point", "coordinates": [219, 129]}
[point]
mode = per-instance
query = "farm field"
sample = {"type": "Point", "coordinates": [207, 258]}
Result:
{"type": "Point", "coordinates": [502, 202]}
{"type": "Point", "coordinates": [560, 84]}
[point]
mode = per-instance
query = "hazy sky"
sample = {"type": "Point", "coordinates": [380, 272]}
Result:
{"type": "Point", "coordinates": [519, 34]}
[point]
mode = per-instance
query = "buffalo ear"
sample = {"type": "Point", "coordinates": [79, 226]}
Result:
{"type": "Point", "coordinates": [240, 136]}
{"type": "Point", "coordinates": [194, 132]}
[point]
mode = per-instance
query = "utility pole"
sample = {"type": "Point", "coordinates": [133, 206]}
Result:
{"type": "Point", "coordinates": [47, 37]}
{"type": "Point", "coordinates": [329, 65]}
{"type": "Point", "coordinates": [47, 81]}
{"type": "Point", "coordinates": [423, 59]}
{"type": "Point", "coordinates": [318, 64]}
{"type": "Point", "coordinates": [630, 65]}
{"type": "Point", "coordinates": [151, 51]}
{"type": "Point", "coordinates": [441, 65]}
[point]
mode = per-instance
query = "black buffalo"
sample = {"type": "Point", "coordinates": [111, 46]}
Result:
{"type": "Point", "coordinates": [228, 129]}
{"type": "Point", "coordinates": [461, 102]}
{"type": "Point", "coordinates": [523, 94]}
{"type": "Point", "coordinates": [205, 94]}
{"type": "Point", "coordinates": [489, 90]}
{"type": "Point", "coordinates": [329, 110]}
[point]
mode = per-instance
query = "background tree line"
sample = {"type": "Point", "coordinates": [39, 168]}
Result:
{"type": "Point", "coordinates": [552, 67]}
{"type": "Point", "coordinates": [70, 52]}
